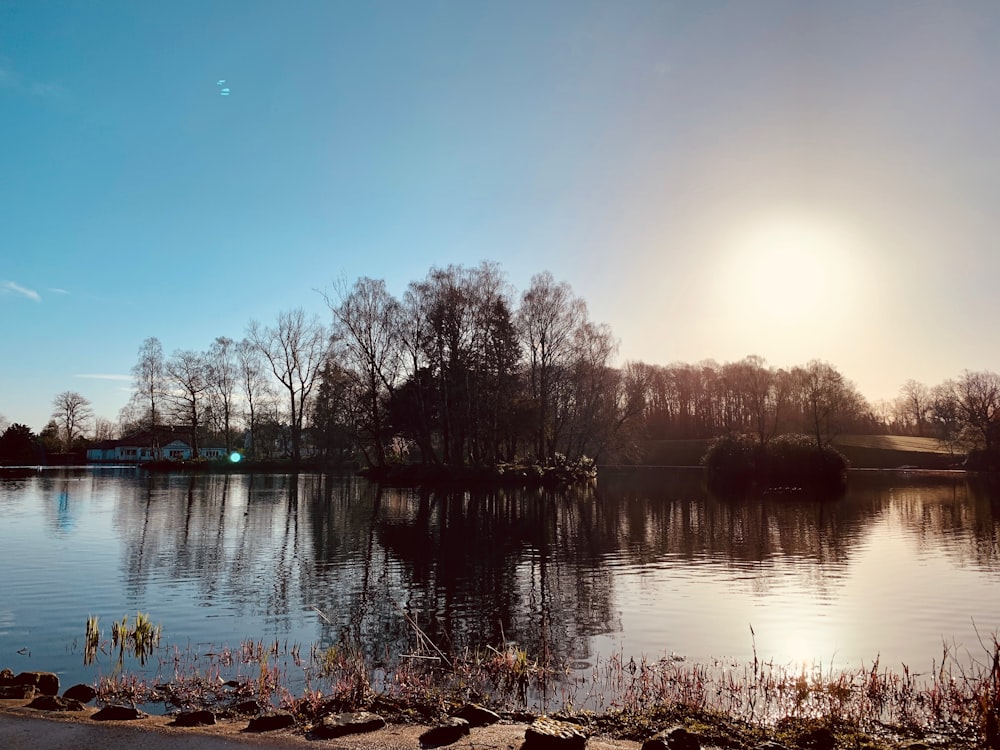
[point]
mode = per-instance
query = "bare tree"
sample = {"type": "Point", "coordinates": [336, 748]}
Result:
{"type": "Point", "coordinates": [915, 402]}
{"type": "Point", "coordinates": [945, 415]}
{"type": "Point", "coordinates": [764, 394]}
{"type": "Point", "coordinates": [104, 429]}
{"type": "Point", "coordinates": [830, 400]}
{"type": "Point", "coordinates": [186, 373]}
{"type": "Point", "coordinates": [149, 385]}
{"type": "Point", "coordinates": [72, 413]}
{"type": "Point", "coordinates": [253, 387]}
{"type": "Point", "coordinates": [596, 394]}
{"type": "Point", "coordinates": [366, 321]}
{"type": "Point", "coordinates": [222, 374]}
{"type": "Point", "coordinates": [977, 395]}
{"type": "Point", "coordinates": [296, 349]}
{"type": "Point", "coordinates": [548, 318]}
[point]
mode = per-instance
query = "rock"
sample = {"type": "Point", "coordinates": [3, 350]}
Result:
{"type": "Point", "coordinates": [271, 721]}
{"type": "Point", "coordinates": [17, 692]}
{"type": "Point", "coordinates": [450, 730]}
{"type": "Point", "coordinates": [55, 703]}
{"type": "Point", "coordinates": [118, 713]}
{"type": "Point", "coordinates": [81, 692]}
{"type": "Point", "coordinates": [546, 733]}
{"type": "Point", "coordinates": [476, 715]}
{"type": "Point", "coordinates": [6, 677]}
{"type": "Point", "coordinates": [46, 683]}
{"type": "Point", "coordinates": [675, 738]}
{"type": "Point", "coordinates": [248, 708]}
{"type": "Point", "coordinates": [770, 745]}
{"type": "Point", "coordinates": [194, 718]}
{"type": "Point", "coordinates": [818, 739]}
{"type": "Point", "coordinates": [339, 725]}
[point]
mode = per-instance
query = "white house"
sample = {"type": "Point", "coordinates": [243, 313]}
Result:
{"type": "Point", "coordinates": [140, 447]}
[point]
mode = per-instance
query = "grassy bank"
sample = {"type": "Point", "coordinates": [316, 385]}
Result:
{"type": "Point", "coordinates": [862, 451]}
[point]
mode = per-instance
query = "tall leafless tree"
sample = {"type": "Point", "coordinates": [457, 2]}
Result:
{"type": "Point", "coordinates": [149, 387]}
{"type": "Point", "coordinates": [253, 387]}
{"type": "Point", "coordinates": [104, 429]}
{"type": "Point", "coordinates": [915, 403]}
{"type": "Point", "coordinates": [295, 348]}
{"type": "Point", "coordinates": [72, 412]}
{"type": "Point", "coordinates": [187, 383]}
{"type": "Point", "coordinates": [366, 327]}
{"type": "Point", "coordinates": [548, 319]}
{"type": "Point", "coordinates": [223, 377]}
{"type": "Point", "coordinates": [977, 395]}
{"type": "Point", "coordinates": [830, 400]}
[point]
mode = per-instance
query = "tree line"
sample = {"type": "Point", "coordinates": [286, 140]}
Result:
{"type": "Point", "coordinates": [461, 370]}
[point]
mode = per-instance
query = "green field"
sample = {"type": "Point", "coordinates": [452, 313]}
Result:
{"type": "Point", "coordinates": [863, 452]}
{"type": "Point", "coordinates": [892, 443]}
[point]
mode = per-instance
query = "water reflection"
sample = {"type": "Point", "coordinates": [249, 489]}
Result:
{"type": "Point", "coordinates": [647, 562]}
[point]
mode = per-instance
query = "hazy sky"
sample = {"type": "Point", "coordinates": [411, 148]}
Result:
{"type": "Point", "coordinates": [796, 180]}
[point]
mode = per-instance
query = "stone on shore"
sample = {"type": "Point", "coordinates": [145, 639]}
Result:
{"type": "Point", "coordinates": [271, 721]}
{"type": "Point", "coordinates": [476, 715]}
{"type": "Point", "coordinates": [81, 692]}
{"type": "Point", "coordinates": [46, 683]}
{"type": "Point", "coordinates": [118, 713]}
{"type": "Point", "coordinates": [17, 692]}
{"type": "Point", "coordinates": [546, 733]}
{"type": "Point", "coordinates": [450, 730]}
{"type": "Point", "coordinates": [340, 725]}
{"type": "Point", "coordinates": [194, 718]}
{"type": "Point", "coordinates": [675, 738]}
{"type": "Point", "coordinates": [55, 703]}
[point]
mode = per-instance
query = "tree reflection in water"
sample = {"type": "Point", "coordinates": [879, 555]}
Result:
{"type": "Point", "coordinates": [647, 561]}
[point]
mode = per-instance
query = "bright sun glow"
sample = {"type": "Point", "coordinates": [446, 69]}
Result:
{"type": "Point", "coordinates": [790, 277]}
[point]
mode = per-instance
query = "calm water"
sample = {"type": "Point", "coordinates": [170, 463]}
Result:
{"type": "Point", "coordinates": [648, 563]}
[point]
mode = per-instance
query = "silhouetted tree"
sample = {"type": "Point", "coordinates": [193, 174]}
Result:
{"type": "Point", "coordinates": [253, 388]}
{"type": "Point", "coordinates": [72, 412]}
{"type": "Point", "coordinates": [222, 378]}
{"type": "Point", "coordinates": [366, 329]}
{"type": "Point", "coordinates": [18, 445]}
{"type": "Point", "coordinates": [104, 429]}
{"type": "Point", "coordinates": [915, 403]}
{"type": "Point", "coordinates": [149, 386]}
{"type": "Point", "coordinates": [977, 396]}
{"type": "Point", "coordinates": [829, 401]}
{"type": "Point", "coordinates": [296, 348]}
{"type": "Point", "coordinates": [187, 383]}
{"type": "Point", "coordinates": [332, 417]}
{"type": "Point", "coordinates": [49, 438]}
{"type": "Point", "coordinates": [944, 414]}
{"type": "Point", "coordinates": [548, 320]}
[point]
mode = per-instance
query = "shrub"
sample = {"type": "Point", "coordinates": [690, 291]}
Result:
{"type": "Point", "coordinates": [739, 461]}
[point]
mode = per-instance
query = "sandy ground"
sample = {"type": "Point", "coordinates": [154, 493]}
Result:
{"type": "Point", "coordinates": [24, 728]}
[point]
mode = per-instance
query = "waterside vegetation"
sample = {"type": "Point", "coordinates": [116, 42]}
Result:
{"type": "Point", "coordinates": [722, 704]}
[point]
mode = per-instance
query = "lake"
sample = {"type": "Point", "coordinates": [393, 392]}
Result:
{"type": "Point", "coordinates": [647, 563]}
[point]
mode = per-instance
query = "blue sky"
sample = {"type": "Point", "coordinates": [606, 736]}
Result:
{"type": "Point", "coordinates": [715, 179]}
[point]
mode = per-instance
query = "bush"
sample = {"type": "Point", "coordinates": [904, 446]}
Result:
{"type": "Point", "coordinates": [739, 461]}
{"type": "Point", "coordinates": [983, 460]}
